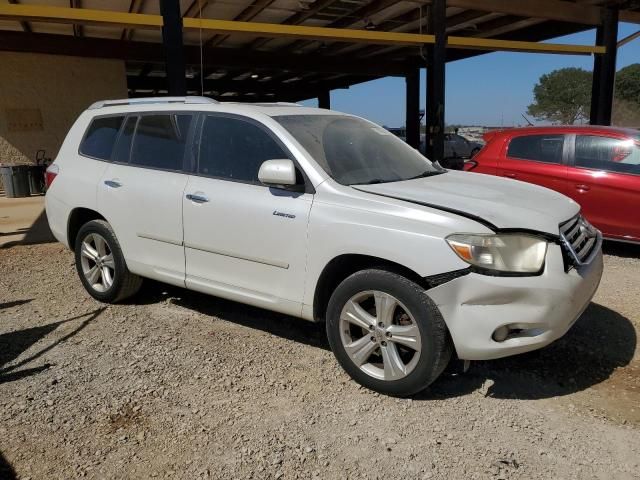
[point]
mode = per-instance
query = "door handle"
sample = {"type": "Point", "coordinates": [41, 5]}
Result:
{"type": "Point", "coordinates": [197, 198]}
{"type": "Point", "coordinates": [112, 183]}
{"type": "Point", "coordinates": [582, 187]}
{"type": "Point", "coordinates": [510, 175]}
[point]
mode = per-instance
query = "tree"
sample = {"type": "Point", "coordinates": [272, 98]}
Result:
{"type": "Point", "coordinates": [562, 96]}
{"type": "Point", "coordinates": [628, 84]}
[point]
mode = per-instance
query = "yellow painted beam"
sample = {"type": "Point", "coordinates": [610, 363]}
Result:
{"type": "Point", "coordinates": [84, 16]}
{"type": "Point", "coordinates": [137, 20]}
{"type": "Point", "coordinates": [517, 46]}
{"type": "Point", "coordinates": [313, 33]}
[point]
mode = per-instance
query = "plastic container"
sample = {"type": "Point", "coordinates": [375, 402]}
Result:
{"type": "Point", "coordinates": [15, 179]}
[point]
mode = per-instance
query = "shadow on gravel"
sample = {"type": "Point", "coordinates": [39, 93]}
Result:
{"type": "Point", "coordinates": [284, 326]}
{"type": "Point", "coordinates": [6, 470]}
{"type": "Point", "coordinates": [17, 232]}
{"type": "Point", "coordinates": [14, 303]}
{"type": "Point", "coordinates": [38, 232]}
{"type": "Point", "coordinates": [600, 341]}
{"type": "Point", "coordinates": [13, 344]}
{"type": "Point", "coordinates": [620, 249]}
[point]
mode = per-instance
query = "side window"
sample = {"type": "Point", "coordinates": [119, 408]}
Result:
{"type": "Point", "coordinates": [541, 148]}
{"type": "Point", "coordinates": [235, 149]}
{"type": "Point", "coordinates": [160, 140]}
{"type": "Point", "coordinates": [123, 146]}
{"type": "Point", "coordinates": [604, 153]}
{"type": "Point", "coordinates": [101, 136]}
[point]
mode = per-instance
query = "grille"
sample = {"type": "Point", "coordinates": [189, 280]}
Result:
{"type": "Point", "coordinates": [580, 239]}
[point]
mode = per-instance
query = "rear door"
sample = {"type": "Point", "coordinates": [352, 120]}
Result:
{"type": "Point", "coordinates": [604, 178]}
{"type": "Point", "coordinates": [141, 191]}
{"type": "Point", "coordinates": [539, 159]}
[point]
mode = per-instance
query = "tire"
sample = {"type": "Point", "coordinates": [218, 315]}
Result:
{"type": "Point", "coordinates": [110, 287]}
{"type": "Point", "coordinates": [413, 315]}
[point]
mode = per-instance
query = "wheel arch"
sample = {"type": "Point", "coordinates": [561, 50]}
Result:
{"type": "Point", "coordinates": [77, 218]}
{"type": "Point", "coordinates": [344, 265]}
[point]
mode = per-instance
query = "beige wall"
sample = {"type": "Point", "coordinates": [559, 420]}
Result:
{"type": "Point", "coordinates": [41, 96]}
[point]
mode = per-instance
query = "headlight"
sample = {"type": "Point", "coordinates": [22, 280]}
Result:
{"type": "Point", "coordinates": [513, 253]}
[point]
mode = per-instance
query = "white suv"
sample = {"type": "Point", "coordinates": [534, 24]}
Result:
{"type": "Point", "coordinates": [327, 217]}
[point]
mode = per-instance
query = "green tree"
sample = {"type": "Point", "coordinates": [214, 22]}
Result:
{"type": "Point", "coordinates": [562, 96]}
{"type": "Point", "coordinates": [628, 84]}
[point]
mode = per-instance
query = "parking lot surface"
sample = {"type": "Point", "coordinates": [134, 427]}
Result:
{"type": "Point", "coordinates": [181, 385]}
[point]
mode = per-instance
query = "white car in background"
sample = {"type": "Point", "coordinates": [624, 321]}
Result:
{"type": "Point", "coordinates": [327, 217]}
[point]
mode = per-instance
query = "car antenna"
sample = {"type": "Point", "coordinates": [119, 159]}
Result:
{"type": "Point", "coordinates": [527, 120]}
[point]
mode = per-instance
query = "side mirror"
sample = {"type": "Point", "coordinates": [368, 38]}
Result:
{"type": "Point", "coordinates": [277, 173]}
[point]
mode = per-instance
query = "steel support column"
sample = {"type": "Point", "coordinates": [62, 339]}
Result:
{"type": "Point", "coordinates": [174, 52]}
{"type": "Point", "coordinates": [436, 62]}
{"type": "Point", "coordinates": [324, 99]}
{"type": "Point", "coordinates": [604, 69]}
{"type": "Point", "coordinates": [412, 121]}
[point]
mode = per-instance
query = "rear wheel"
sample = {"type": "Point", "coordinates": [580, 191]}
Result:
{"type": "Point", "coordinates": [387, 333]}
{"type": "Point", "coordinates": [101, 265]}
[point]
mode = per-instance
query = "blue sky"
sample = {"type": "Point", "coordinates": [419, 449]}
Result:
{"type": "Point", "coordinates": [491, 89]}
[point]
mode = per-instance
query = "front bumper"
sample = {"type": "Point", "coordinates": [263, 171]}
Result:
{"type": "Point", "coordinates": [538, 309]}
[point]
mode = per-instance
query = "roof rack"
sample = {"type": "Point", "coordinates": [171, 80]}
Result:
{"type": "Point", "coordinates": [151, 100]}
{"type": "Point", "coordinates": [268, 104]}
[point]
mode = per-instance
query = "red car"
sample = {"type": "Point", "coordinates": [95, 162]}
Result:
{"type": "Point", "coordinates": [599, 167]}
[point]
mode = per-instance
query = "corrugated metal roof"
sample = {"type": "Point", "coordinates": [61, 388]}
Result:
{"type": "Point", "coordinates": [246, 65]}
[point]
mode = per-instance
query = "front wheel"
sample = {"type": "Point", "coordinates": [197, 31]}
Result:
{"type": "Point", "coordinates": [101, 265]}
{"type": "Point", "coordinates": [387, 333]}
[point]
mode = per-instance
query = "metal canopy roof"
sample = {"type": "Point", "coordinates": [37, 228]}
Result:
{"type": "Point", "coordinates": [263, 49]}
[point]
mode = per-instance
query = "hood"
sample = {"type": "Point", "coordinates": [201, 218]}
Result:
{"type": "Point", "coordinates": [496, 202]}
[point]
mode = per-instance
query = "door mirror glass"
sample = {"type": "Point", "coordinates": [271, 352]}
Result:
{"type": "Point", "coordinates": [277, 173]}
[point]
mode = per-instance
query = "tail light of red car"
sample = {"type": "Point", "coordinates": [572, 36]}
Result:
{"type": "Point", "coordinates": [50, 174]}
{"type": "Point", "coordinates": [469, 165]}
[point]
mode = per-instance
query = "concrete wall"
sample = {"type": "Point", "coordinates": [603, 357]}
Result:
{"type": "Point", "coordinates": [41, 96]}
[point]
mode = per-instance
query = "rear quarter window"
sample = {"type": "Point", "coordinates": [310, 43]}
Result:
{"type": "Point", "coordinates": [100, 138]}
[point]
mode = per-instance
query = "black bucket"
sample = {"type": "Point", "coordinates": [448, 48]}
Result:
{"type": "Point", "coordinates": [36, 179]}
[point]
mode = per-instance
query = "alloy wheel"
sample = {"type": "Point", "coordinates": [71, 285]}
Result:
{"type": "Point", "coordinates": [380, 335]}
{"type": "Point", "coordinates": [97, 262]}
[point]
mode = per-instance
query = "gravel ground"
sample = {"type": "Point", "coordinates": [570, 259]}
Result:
{"type": "Point", "coordinates": [181, 385]}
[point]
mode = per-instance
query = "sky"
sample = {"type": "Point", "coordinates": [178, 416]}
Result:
{"type": "Point", "coordinates": [493, 89]}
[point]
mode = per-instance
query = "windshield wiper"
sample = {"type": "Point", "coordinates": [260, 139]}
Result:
{"type": "Point", "coordinates": [374, 181]}
{"type": "Point", "coordinates": [426, 174]}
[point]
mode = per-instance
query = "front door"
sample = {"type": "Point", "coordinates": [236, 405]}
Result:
{"type": "Point", "coordinates": [243, 240]}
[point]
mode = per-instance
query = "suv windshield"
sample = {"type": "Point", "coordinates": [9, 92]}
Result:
{"type": "Point", "coordinates": [355, 152]}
